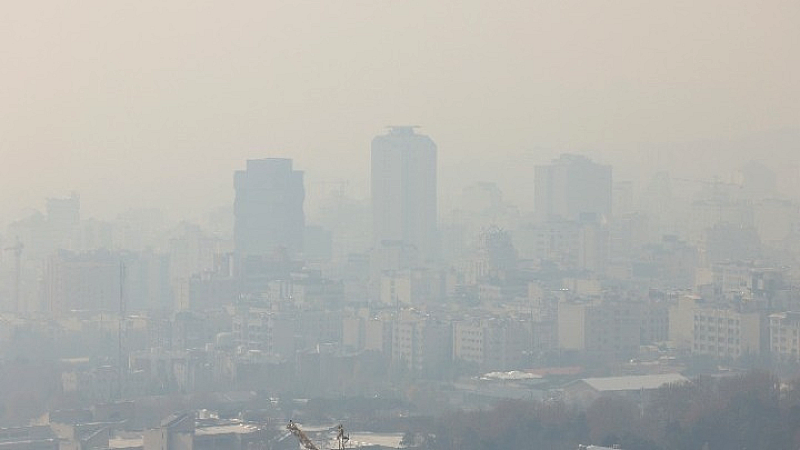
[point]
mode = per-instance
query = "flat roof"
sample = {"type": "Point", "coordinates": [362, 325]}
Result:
{"type": "Point", "coordinates": [121, 442]}
{"type": "Point", "coordinates": [634, 382]}
{"type": "Point", "coordinates": [234, 428]}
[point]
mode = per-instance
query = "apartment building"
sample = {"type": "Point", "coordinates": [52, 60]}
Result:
{"type": "Point", "coordinates": [784, 335]}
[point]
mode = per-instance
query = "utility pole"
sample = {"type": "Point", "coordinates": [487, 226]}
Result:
{"type": "Point", "coordinates": [122, 365]}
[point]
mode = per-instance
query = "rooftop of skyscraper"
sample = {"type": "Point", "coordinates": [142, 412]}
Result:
{"type": "Point", "coordinates": [402, 129]}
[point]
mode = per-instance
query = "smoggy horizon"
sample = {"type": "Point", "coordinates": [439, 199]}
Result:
{"type": "Point", "coordinates": [151, 105]}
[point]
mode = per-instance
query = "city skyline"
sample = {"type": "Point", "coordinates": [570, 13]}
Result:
{"type": "Point", "coordinates": [317, 184]}
{"type": "Point", "coordinates": [449, 225]}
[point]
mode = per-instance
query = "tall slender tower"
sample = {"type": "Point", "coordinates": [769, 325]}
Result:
{"type": "Point", "coordinates": [268, 209]}
{"type": "Point", "coordinates": [403, 190]}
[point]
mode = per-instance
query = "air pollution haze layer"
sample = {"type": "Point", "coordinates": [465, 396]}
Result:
{"type": "Point", "coordinates": [150, 103]}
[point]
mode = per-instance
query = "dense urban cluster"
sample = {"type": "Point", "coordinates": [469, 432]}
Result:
{"type": "Point", "coordinates": [146, 332]}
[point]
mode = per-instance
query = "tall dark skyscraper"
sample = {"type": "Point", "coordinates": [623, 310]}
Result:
{"type": "Point", "coordinates": [572, 187]}
{"type": "Point", "coordinates": [268, 209]}
{"type": "Point", "coordinates": [404, 190]}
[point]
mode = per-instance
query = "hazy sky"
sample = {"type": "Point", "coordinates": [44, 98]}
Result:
{"type": "Point", "coordinates": [137, 103]}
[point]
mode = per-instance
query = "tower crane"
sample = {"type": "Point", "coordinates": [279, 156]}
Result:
{"type": "Point", "coordinates": [341, 437]}
{"type": "Point", "coordinates": [298, 433]}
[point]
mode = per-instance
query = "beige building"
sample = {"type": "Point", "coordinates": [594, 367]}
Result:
{"type": "Point", "coordinates": [493, 344]}
{"type": "Point", "coordinates": [718, 331]}
{"type": "Point", "coordinates": [726, 333]}
{"type": "Point", "coordinates": [681, 322]}
{"type": "Point", "coordinates": [600, 327]}
{"type": "Point", "coordinates": [82, 281]}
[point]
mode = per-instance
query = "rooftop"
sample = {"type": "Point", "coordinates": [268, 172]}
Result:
{"type": "Point", "coordinates": [634, 383]}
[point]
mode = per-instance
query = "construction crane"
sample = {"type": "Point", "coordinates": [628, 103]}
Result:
{"type": "Point", "coordinates": [17, 249]}
{"type": "Point", "coordinates": [341, 437]}
{"type": "Point", "coordinates": [298, 433]}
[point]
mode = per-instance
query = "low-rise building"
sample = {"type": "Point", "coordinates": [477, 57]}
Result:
{"type": "Point", "coordinates": [634, 387]}
{"type": "Point", "coordinates": [28, 438]}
